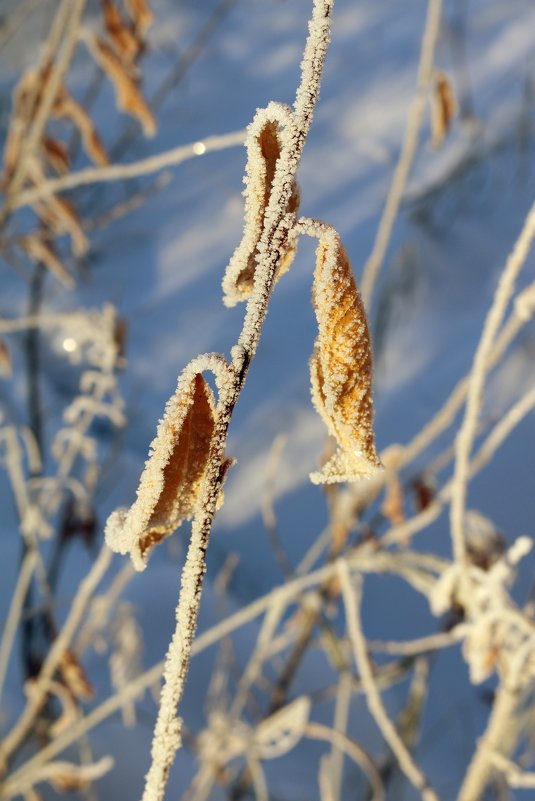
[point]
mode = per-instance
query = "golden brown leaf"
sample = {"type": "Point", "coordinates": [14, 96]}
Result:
{"type": "Point", "coordinates": [41, 251]}
{"type": "Point", "coordinates": [123, 37]}
{"type": "Point", "coordinates": [264, 146]}
{"type": "Point", "coordinates": [443, 108]}
{"type": "Point", "coordinates": [129, 97]}
{"type": "Point", "coordinates": [56, 154]}
{"type": "Point", "coordinates": [171, 482]}
{"type": "Point", "coordinates": [66, 107]}
{"type": "Point", "coordinates": [341, 365]}
{"type": "Point", "coordinates": [74, 676]}
{"type": "Point", "coordinates": [141, 14]}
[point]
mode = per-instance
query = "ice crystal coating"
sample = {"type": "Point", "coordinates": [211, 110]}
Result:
{"type": "Point", "coordinates": [171, 482]}
{"type": "Point", "coordinates": [266, 137]}
{"type": "Point", "coordinates": [341, 365]}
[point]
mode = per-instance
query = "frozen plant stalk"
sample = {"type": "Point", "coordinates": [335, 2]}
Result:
{"type": "Point", "coordinates": [187, 465]}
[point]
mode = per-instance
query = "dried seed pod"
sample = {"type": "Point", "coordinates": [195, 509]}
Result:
{"type": "Point", "coordinates": [127, 92]}
{"type": "Point", "coordinates": [443, 108]}
{"type": "Point", "coordinates": [266, 138]}
{"type": "Point", "coordinates": [66, 107]}
{"type": "Point", "coordinates": [171, 482]}
{"type": "Point", "coordinates": [341, 365]}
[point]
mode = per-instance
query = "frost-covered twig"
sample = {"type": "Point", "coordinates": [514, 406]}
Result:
{"type": "Point", "coordinates": [408, 151]}
{"type": "Point", "coordinates": [467, 431]}
{"type": "Point", "coordinates": [116, 172]}
{"type": "Point", "coordinates": [352, 749]}
{"type": "Point", "coordinates": [360, 560]}
{"type": "Point", "coordinates": [270, 251]}
{"type": "Point", "coordinates": [506, 702]}
{"type": "Point", "coordinates": [351, 595]}
{"type": "Point", "coordinates": [58, 648]}
{"type": "Point", "coordinates": [57, 57]}
{"type": "Point", "coordinates": [15, 609]}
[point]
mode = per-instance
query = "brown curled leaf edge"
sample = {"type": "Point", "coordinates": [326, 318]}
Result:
{"type": "Point", "coordinates": [341, 365]}
{"type": "Point", "coordinates": [444, 108]}
{"type": "Point", "coordinates": [265, 142]}
{"type": "Point", "coordinates": [171, 483]}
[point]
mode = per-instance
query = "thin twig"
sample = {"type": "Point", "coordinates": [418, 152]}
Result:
{"type": "Point", "coordinates": [352, 749]}
{"type": "Point", "coordinates": [467, 431]}
{"type": "Point", "coordinates": [166, 739]}
{"type": "Point", "coordinates": [116, 172]}
{"type": "Point", "coordinates": [352, 597]}
{"type": "Point", "coordinates": [58, 648]}
{"type": "Point", "coordinates": [408, 151]}
{"type": "Point", "coordinates": [15, 609]}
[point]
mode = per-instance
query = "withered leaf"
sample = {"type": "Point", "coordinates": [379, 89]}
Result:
{"type": "Point", "coordinates": [74, 676]}
{"type": "Point", "coordinates": [264, 146]}
{"type": "Point", "coordinates": [56, 154]}
{"type": "Point", "coordinates": [341, 365]}
{"type": "Point", "coordinates": [25, 97]}
{"type": "Point", "coordinates": [127, 92]}
{"type": "Point", "coordinates": [443, 108]}
{"type": "Point", "coordinates": [123, 37]}
{"type": "Point", "coordinates": [171, 482]}
{"type": "Point", "coordinates": [66, 107]}
{"type": "Point", "coordinates": [42, 251]}
{"type": "Point", "coordinates": [57, 213]}
{"type": "Point", "coordinates": [141, 14]}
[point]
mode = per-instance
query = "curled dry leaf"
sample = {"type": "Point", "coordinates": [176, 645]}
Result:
{"type": "Point", "coordinates": [171, 482]}
{"type": "Point", "coordinates": [341, 365]}
{"type": "Point", "coordinates": [266, 139]}
{"type": "Point", "coordinates": [281, 732]}
{"type": "Point", "coordinates": [57, 214]}
{"type": "Point", "coordinates": [41, 251]}
{"type": "Point", "coordinates": [56, 154]}
{"type": "Point", "coordinates": [67, 108]}
{"type": "Point", "coordinates": [443, 108]}
{"type": "Point", "coordinates": [127, 92]}
{"type": "Point", "coordinates": [141, 14]}
{"type": "Point", "coordinates": [74, 676]}
{"type": "Point", "coordinates": [124, 39]}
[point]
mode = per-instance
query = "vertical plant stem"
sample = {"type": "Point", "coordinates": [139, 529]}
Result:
{"type": "Point", "coordinates": [15, 610]}
{"type": "Point", "coordinates": [65, 28]}
{"type": "Point", "coordinates": [60, 644]}
{"type": "Point", "coordinates": [167, 731]}
{"type": "Point", "coordinates": [408, 151]}
{"type": "Point", "coordinates": [467, 432]}
{"type": "Point", "coordinates": [352, 598]}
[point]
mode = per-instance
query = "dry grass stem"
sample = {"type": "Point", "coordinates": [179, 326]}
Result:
{"type": "Point", "coordinates": [408, 151]}
{"type": "Point", "coordinates": [467, 431]}
{"type": "Point", "coordinates": [351, 595]}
